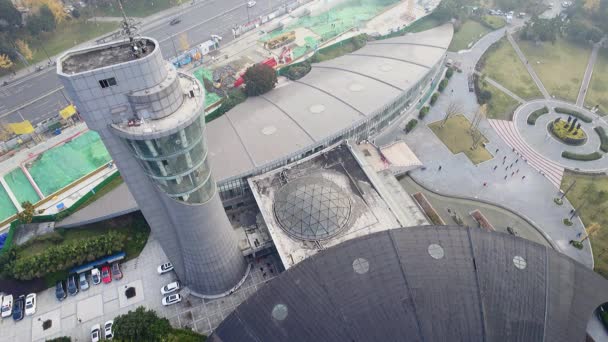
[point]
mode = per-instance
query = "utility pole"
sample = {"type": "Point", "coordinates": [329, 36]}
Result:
{"type": "Point", "coordinates": [46, 53]}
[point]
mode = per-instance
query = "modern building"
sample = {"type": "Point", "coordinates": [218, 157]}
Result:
{"type": "Point", "coordinates": [151, 119]}
{"type": "Point", "coordinates": [431, 283]}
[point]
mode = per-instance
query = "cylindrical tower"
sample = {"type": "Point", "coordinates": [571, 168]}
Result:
{"type": "Point", "coordinates": [151, 119]}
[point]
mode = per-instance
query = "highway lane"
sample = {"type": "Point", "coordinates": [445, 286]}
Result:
{"type": "Point", "coordinates": [206, 18]}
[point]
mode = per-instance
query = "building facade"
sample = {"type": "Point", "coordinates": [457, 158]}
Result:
{"type": "Point", "coordinates": [151, 119]}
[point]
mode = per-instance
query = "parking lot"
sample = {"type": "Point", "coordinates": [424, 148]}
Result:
{"type": "Point", "coordinates": [75, 315]}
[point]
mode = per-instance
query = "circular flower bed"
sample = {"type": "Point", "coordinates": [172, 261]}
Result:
{"type": "Point", "coordinates": [568, 135]}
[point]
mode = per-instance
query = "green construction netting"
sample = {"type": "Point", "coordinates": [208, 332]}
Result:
{"type": "Point", "coordinates": [64, 164]}
{"type": "Point", "coordinates": [7, 209]}
{"type": "Point", "coordinates": [21, 187]}
{"type": "Point", "coordinates": [210, 98]}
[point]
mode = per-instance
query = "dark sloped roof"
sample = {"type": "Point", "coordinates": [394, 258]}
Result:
{"type": "Point", "coordinates": [424, 284]}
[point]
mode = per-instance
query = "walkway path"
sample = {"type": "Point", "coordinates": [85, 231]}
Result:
{"type": "Point", "coordinates": [580, 100]}
{"type": "Point", "coordinates": [502, 88]}
{"type": "Point", "coordinates": [531, 71]}
{"type": "Point", "coordinates": [508, 132]}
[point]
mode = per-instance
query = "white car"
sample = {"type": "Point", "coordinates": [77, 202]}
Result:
{"type": "Point", "coordinates": [170, 288]}
{"type": "Point", "coordinates": [95, 276]}
{"type": "Point", "coordinates": [251, 3]}
{"type": "Point", "coordinates": [164, 268]}
{"type": "Point", "coordinates": [7, 306]}
{"type": "Point", "coordinates": [95, 333]}
{"type": "Point", "coordinates": [30, 304]}
{"type": "Point", "coordinates": [172, 299]}
{"type": "Point", "coordinates": [107, 330]}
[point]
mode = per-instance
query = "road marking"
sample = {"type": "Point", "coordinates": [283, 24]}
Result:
{"type": "Point", "coordinates": [14, 109]}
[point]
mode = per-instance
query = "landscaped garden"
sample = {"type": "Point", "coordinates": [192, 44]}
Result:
{"type": "Point", "coordinates": [500, 105]}
{"type": "Point", "coordinates": [597, 94]}
{"type": "Point", "coordinates": [590, 196]}
{"type": "Point", "coordinates": [568, 132]}
{"type": "Point", "coordinates": [501, 63]}
{"type": "Point", "coordinates": [455, 134]}
{"type": "Point", "coordinates": [560, 65]}
{"type": "Point", "coordinates": [51, 255]}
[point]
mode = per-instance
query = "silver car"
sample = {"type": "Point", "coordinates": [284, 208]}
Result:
{"type": "Point", "coordinates": [83, 282]}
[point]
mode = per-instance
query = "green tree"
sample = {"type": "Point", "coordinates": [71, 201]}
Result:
{"type": "Point", "coordinates": [10, 18]}
{"type": "Point", "coordinates": [60, 339]}
{"type": "Point", "coordinates": [44, 21]}
{"type": "Point", "coordinates": [259, 79]}
{"type": "Point", "coordinates": [141, 325]}
{"type": "Point", "coordinates": [27, 214]}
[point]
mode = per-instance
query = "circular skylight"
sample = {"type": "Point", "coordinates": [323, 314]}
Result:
{"type": "Point", "coordinates": [361, 265]}
{"type": "Point", "coordinates": [279, 312]}
{"type": "Point", "coordinates": [436, 251]}
{"type": "Point", "coordinates": [519, 262]}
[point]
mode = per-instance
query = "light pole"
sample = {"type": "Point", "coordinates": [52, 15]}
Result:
{"type": "Point", "coordinates": [46, 53]}
{"type": "Point", "coordinates": [247, 7]}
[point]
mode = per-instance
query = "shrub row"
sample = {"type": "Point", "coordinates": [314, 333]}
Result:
{"type": "Point", "coordinates": [297, 71]}
{"type": "Point", "coordinates": [582, 157]}
{"type": "Point", "coordinates": [449, 73]}
{"type": "Point", "coordinates": [434, 99]}
{"type": "Point", "coordinates": [411, 125]}
{"type": "Point", "coordinates": [423, 112]}
{"type": "Point", "coordinates": [579, 115]}
{"type": "Point", "coordinates": [442, 85]}
{"type": "Point", "coordinates": [603, 138]}
{"type": "Point", "coordinates": [69, 254]}
{"type": "Point", "coordinates": [536, 114]}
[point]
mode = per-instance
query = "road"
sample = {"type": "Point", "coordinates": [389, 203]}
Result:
{"type": "Point", "coordinates": [39, 96]}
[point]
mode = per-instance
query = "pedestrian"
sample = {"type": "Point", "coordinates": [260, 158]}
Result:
{"type": "Point", "coordinates": [513, 149]}
{"type": "Point", "coordinates": [505, 157]}
{"type": "Point", "coordinates": [485, 183]}
{"type": "Point", "coordinates": [505, 177]}
{"type": "Point", "coordinates": [506, 168]}
{"type": "Point", "coordinates": [579, 235]}
{"type": "Point", "coordinates": [496, 151]}
{"type": "Point", "coordinates": [523, 177]}
{"type": "Point", "coordinates": [503, 162]}
{"type": "Point", "coordinates": [495, 166]}
{"type": "Point", "coordinates": [512, 173]}
{"type": "Point", "coordinates": [571, 211]}
{"type": "Point", "coordinates": [516, 160]}
{"type": "Point", "coordinates": [510, 166]}
{"type": "Point", "coordinates": [440, 167]}
{"type": "Point", "coordinates": [79, 320]}
{"type": "Point", "coordinates": [517, 171]}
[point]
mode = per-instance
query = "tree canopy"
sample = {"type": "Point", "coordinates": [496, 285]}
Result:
{"type": "Point", "coordinates": [9, 16]}
{"type": "Point", "coordinates": [145, 325]}
{"type": "Point", "coordinates": [259, 79]}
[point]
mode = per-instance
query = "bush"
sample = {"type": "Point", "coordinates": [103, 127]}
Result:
{"type": "Point", "coordinates": [411, 125]}
{"type": "Point", "coordinates": [582, 157]}
{"type": "Point", "coordinates": [434, 99]}
{"type": "Point", "coordinates": [567, 222]}
{"type": "Point", "coordinates": [259, 79]}
{"type": "Point", "coordinates": [484, 96]}
{"type": "Point", "coordinates": [603, 138]}
{"type": "Point", "coordinates": [449, 73]}
{"type": "Point", "coordinates": [574, 113]}
{"type": "Point", "coordinates": [423, 112]}
{"type": "Point", "coordinates": [297, 71]}
{"type": "Point", "coordinates": [536, 114]}
{"type": "Point", "coordinates": [442, 85]}
{"type": "Point", "coordinates": [64, 256]}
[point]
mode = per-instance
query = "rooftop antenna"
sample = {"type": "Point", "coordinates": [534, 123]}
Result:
{"type": "Point", "coordinates": [138, 46]}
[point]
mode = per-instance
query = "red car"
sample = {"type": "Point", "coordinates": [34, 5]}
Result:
{"type": "Point", "coordinates": [106, 274]}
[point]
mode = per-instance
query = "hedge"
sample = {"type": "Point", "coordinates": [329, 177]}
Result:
{"type": "Point", "coordinates": [583, 157]}
{"type": "Point", "coordinates": [574, 113]}
{"type": "Point", "coordinates": [411, 125]}
{"type": "Point", "coordinates": [423, 112]}
{"type": "Point", "coordinates": [434, 98]}
{"type": "Point", "coordinates": [603, 138]}
{"type": "Point", "coordinates": [449, 73]}
{"type": "Point", "coordinates": [536, 114]}
{"type": "Point", "coordinates": [442, 85]}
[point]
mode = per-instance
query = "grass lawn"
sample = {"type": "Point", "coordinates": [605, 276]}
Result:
{"type": "Point", "coordinates": [202, 73]}
{"type": "Point", "coordinates": [67, 35]}
{"type": "Point", "coordinates": [494, 21]}
{"type": "Point", "coordinates": [133, 226]}
{"type": "Point", "coordinates": [113, 184]}
{"type": "Point", "coordinates": [133, 8]}
{"type": "Point", "coordinates": [456, 137]}
{"type": "Point", "coordinates": [589, 189]}
{"type": "Point", "coordinates": [560, 66]}
{"type": "Point", "coordinates": [598, 89]}
{"type": "Point", "coordinates": [501, 64]}
{"type": "Point", "coordinates": [469, 33]}
{"type": "Point", "coordinates": [501, 105]}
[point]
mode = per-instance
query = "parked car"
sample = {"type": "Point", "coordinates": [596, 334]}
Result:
{"type": "Point", "coordinates": [30, 304]}
{"type": "Point", "coordinates": [107, 330]}
{"type": "Point", "coordinates": [175, 21]}
{"type": "Point", "coordinates": [18, 308]}
{"type": "Point", "coordinates": [7, 306]}
{"type": "Point", "coordinates": [72, 287]}
{"type": "Point", "coordinates": [172, 299]}
{"type": "Point", "coordinates": [164, 268]}
{"type": "Point", "coordinates": [170, 288]}
{"type": "Point", "coordinates": [96, 276]}
{"type": "Point", "coordinates": [60, 290]}
{"type": "Point", "coordinates": [95, 333]}
{"type": "Point", "coordinates": [251, 3]}
{"type": "Point", "coordinates": [106, 275]}
{"type": "Point", "coordinates": [116, 273]}
{"type": "Point", "coordinates": [83, 282]}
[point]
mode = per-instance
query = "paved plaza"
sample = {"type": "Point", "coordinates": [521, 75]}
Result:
{"type": "Point", "coordinates": [75, 315]}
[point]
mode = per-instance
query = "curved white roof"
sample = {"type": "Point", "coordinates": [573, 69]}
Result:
{"type": "Point", "coordinates": [333, 96]}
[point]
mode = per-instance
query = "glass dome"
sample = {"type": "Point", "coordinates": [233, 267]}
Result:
{"type": "Point", "coordinates": [312, 208]}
